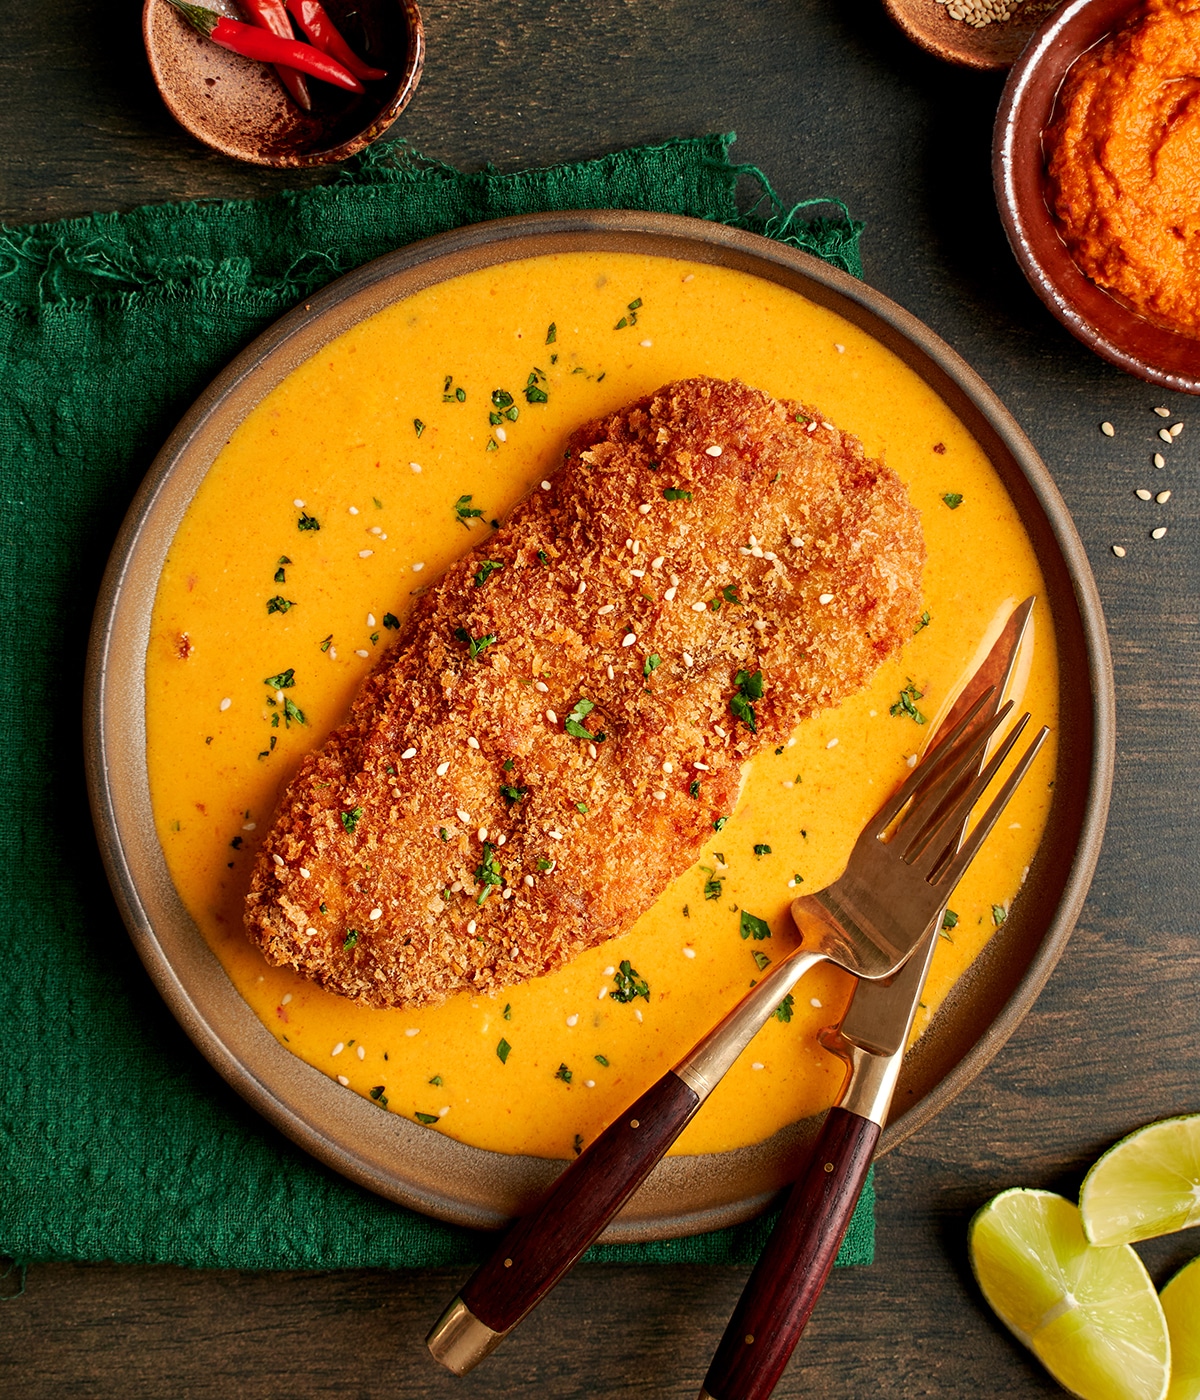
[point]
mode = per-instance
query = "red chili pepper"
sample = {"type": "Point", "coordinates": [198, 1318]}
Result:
{"type": "Point", "coordinates": [267, 48]}
{"type": "Point", "coordinates": [272, 16]}
{"type": "Point", "coordinates": [320, 30]}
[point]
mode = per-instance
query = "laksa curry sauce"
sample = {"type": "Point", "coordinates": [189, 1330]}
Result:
{"type": "Point", "coordinates": [349, 489]}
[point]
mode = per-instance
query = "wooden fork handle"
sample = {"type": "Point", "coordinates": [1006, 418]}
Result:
{"type": "Point", "coordinates": [539, 1249]}
{"type": "Point", "coordinates": [787, 1280]}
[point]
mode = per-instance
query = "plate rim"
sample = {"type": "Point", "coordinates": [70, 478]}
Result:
{"type": "Point", "coordinates": [500, 241]}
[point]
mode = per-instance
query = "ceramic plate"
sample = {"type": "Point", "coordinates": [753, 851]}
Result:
{"type": "Point", "coordinates": [390, 1154]}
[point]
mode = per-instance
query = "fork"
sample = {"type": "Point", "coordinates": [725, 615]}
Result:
{"type": "Point", "coordinates": [867, 922]}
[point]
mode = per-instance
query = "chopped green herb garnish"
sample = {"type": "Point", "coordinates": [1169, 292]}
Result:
{"type": "Point", "coordinates": [673, 493]}
{"type": "Point", "coordinates": [582, 807]}
{"type": "Point", "coordinates": [502, 1051]}
{"type": "Point", "coordinates": [501, 399]}
{"type": "Point", "coordinates": [797, 879]}
{"type": "Point", "coordinates": [377, 502]}
{"type": "Point", "coordinates": [307, 522]}
{"type": "Point", "coordinates": [465, 512]}
{"type": "Point", "coordinates": [551, 333]}
{"type": "Point", "coordinates": [511, 793]}
{"type": "Point", "coordinates": [327, 643]}
{"type": "Point", "coordinates": [542, 559]}
{"type": "Point", "coordinates": [292, 712]}
{"type": "Point", "coordinates": [761, 850]}
{"type": "Point", "coordinates": [508, 765]}
{"type": "Point", "coordinates": [351, 938]}
{"type": "Point", "coordinates": [475, 645]}
{"type": "Point", "coordinates": [653, 662]}
{"type": "Point", "coordinates": [443, 833]}
{"type": "Point", "coordinates": [460, 394]}
{"type": "Point", "coordinates": [280, 575]}
{"type": "Point", "coordinates": [953, 499]}
{"type": "Point", "coordinates": [922, 622]}
{"type": "Point", "coordinates": [761, 961]}
{"type": "Point", "coordinates": [600, 1060]}
{"type": "Point", "coordinates": [719, 825]}
{"type": "Point", "coordinates": [628, 984]}
{"type": "Point", "coordinates": [563, 1073]}
{"type": "Point", "coordinates": [907, 703]}
{"type": "Point", "coordinates": [391, 621]}
{"type": "Point", "coordinates": [712, 886]}
{"type": "Point", "coordinates": [487, 873]}
{"type": "Point", "coordinates": [999, 914]}
{"type": "Point", "coordinates": [436, 1081]}
{"type": "Point", "coordinates": [426, 1118]}
{"type": "Point", "coordinates": [351, 818]}
{"type": "Point", "coordinates": [749, 688]}
{"type": "Point", "coordinates": [783, 1012]}
{"type": "Point", "coordinates": [380, 1097]}
{"type": "Point", "coordinates": [420, 427]}
{"type": "Point", "coordinates": [754, 927]}
{"type": "Point", "coordinates": [279, 604]}
{"type": "Point", "coordinates": [492, 445]}
{"type": "Point", "coordinates": [578, 1144]}
{"type": "Point", "coordinates": [533, 394]}
{"type": "Point", "coordinates": [508, 1010]}
{"type": "Point", "coordinates": [574, 721]}
{"type": "Point", "coordinates": [694, 787]}
{"type": "Point", "coordinates": [544, 864]}
{"type": "Point", "coordinates": [283, 681]}
{"type": "Point", "coordinates": [949, 919]}
{"type": "Point", "coordinates": [729, 593]}
{"type": "Point", "coordinates": [486, 570]}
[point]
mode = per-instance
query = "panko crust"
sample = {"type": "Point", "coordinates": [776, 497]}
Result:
{"type": "Point", "coordinates": [783, 517]}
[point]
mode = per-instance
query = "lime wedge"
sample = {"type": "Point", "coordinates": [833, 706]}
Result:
{"type": "Point", "coordinates": [1148, 1184]}
{"type": "Point", "coordinates": [1090, 1315]}
{"type": "Point", "coordinates": [1181, 1304]}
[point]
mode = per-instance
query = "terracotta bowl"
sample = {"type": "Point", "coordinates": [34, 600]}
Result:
{"type": "Point", "coordinates": [239, 108]}
{"type": "Point", "coordinates": [995, 46]}
{"type": "Point", "coordinates": [1103, 323]}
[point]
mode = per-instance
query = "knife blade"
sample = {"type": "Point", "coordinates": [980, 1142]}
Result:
{"type": "Point", "coordinates": [872, 1037]}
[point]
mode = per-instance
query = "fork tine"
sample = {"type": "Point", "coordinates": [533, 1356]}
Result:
{"type": "Point", "coordinates": [939, 837]}
{"type": "Point", "coordinates": [951, 873]}
{"type": "Point", "coordinates": [924, 816]}
{"type": "Point", "coordinates": [931, 767]}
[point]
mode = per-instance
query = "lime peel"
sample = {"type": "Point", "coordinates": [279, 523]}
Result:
{"type": "Point", "coordinates": [1181, 1305]}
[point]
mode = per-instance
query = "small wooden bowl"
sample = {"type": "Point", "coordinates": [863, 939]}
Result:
{"type": "Point", "coordinates": [1104, 324]}
{"type": "Point", "coordinates": [239, 108]}
{"type": "Point", "coordinates": [995, 46]}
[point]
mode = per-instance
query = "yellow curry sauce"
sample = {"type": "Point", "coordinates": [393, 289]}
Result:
{"type": "Point", "coordinates": [353, 484]}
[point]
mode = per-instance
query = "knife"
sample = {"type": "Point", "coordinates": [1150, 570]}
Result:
{"type": "Point", "coordinates": [787, 1280]}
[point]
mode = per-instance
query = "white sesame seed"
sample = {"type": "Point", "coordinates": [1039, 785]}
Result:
{"type": "Point", "coordinates": [338, 1048]}
{"type": "Point", "coordinates": [360, 652]}
{"type": "Point", "coordinates": [689, 952]}
{"type": "Point", "coordinates": [332, 653]}
{"type": "Point", "coordinates": [472, 742]}
{"type": "Point", "coordinates": [1142, 494]}
{"type": "Point", "coordinates": [832, 744]}
{"type": "Point", "coordinates": [482, 833]}
{"type": "Point", "coordinates": [589, 1083]}
{"type": "Point", "coordinates": [829, 428]}
{"type": "Point", "coordinates": [669, 595]}
{"type": "Point", "coordinates": [308, 933]}
{"type": "Point", "coordinates": [760, 625]}
{"type": "Point", "coordinates": [668, 768]}
{"type": "Point", "coordinates": [815, 1003]}
{"type": "Point", "coordinates": [1163, 497]}
{"type": "Point", "coordinates": [591, 751]}
{"type": "Point", "coordinates": [602, 993]}
{"type": "Point", "coordinates": [699, 607]}
{"type": "Point", "coordinates": [464, 817]}
{"type": "Point", "coordinates": [791, 884]}
{"type": "Point", "coordinates": [691, 277]}
{"type": "Point", "coordinates": [249, 826]}
{"type": "Point", "coordinates": [788, 786]}
{"type": "Point", "coordinates": [443, 769]}
{"type": "Point", "coordinates": [608, 971]}
{"type": "Point", "coordinates": [417, 568]}
{"type": "Point", "coordinates": [471, 926]}
{"type": "Point", "coordinates": [637, 546]}
{"type": "Point", "coordinates": [644, 508]}
{"type": "Point", "coordinates": [365, 553]}
{"type": "Point", "coordinates": [443, 1111]}
{"type": "Point", "coordinates": [551, 716]}
{"type": "Point", "coordinates": [283, 1000]}
{"type": "Point", "coordinates": [687, 661]}
{"type": "Point", "coordinates": [659, 795]}
{"type": "Point", "coordinates": [278, 860]}
{"type": "Point", "coordinates": [700, 767]}
{"type": "Point", "coordinates": [791, 743]}
{"type": "Point", "coordinates": [657, 563]}
{"type": "Point", "coordinates": [758, 1064]}
{"type": "Point", "coordinates": [225, 704]}
{"type": "Point", "coordinates": [370, 619]}
{"type": "Point", "coordinates": [529, 881]}
{"type": "Point", "coordinates": [769, 555]}
{"type": "Point", "coordinates": [545, 486]}
{"type": "Point", "coordinates": [542, 686]}
{"type": "Point", "coordinates": [610, 673]}
{"type": "Point", "coordinates": [713, 451]}
{"type": "Point", "coordinates": [361, 1052]}
{"type": "Point", "coordinates": [745, 551]}
{"type": "Point", "coordinates": [825, 598]}
{"type": "Point", "coordinates": [753, 541]}
{"type": "Point", "coordinates": [638, 573]}
{"type": "Point", "coordinates": [555, 835]}
{"type": "Point", "coordinates": [375, 530]}
{"type": "Point", "coordinates": [306, 873]}
{"type": "Point", "coordinates": [415, 466]}
{"type": "Point", "coordinates": [500, 840]}
{"type": "Point", "coordinates": [507, 893]}
{"type": "Point", "coordinates": [606, 609]}
{"type": "Point", "coordinates": [1165, 434]}
{"type": "Point", "coordinates": [796, 541]}
{"type": "Point", "coordinates": [812, 427]}
{"type": "Point", "coordinates": [375, 914]}
{"type": "Point", "coordinates": [1107, 429]}
{"type": "Point", "coordinates": [720, 732]}
{"type": "Point", "coordinates": [1163, 412]}
{"type": "Point", "coordinates": [1119, 550]}
{"type": "Point", "coordinates": [628, 639]}
{"type": "Point", "coordinates": [413, 1030]}
{"type": "Point", "coordinates": [572, 1020]}
{"type": "Point", "coordinates": [1176, 429]}
{"type": "Point", "coordinates": [1159, 460]}
{"type": "Point", "coordinates": [911, 760]}
{"type": "Point", "coordinates": [1159, 533]}
{"type": "Point", "coordinates": [638, 1017]}
{"type": "Point", "coordinates": [343, 1081]}
{"type": "Point", "coordinates": [756, 551]}
{"type": "Point", "coordinates": [645, 344]}
{"type": "Point", "coordinates": [298, 504]}
{"type": "Point", "coordinates": [456, 887]}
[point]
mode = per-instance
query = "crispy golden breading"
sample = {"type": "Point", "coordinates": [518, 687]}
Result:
{"type": "Point", "coordinates": [701, 532]}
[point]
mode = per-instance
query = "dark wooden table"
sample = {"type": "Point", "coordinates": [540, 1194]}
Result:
{"type": "Point", "coordinates": [827, 99]}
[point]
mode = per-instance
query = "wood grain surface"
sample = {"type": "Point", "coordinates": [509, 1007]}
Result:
{"type": "Point", "coordinates": [828, 99]}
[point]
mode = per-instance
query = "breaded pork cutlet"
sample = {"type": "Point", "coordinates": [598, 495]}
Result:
{"type": "Point", "coordinates": [566, 714]}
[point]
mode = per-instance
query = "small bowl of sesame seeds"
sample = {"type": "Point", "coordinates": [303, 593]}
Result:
{"type": "Point", "coordinates": [1115, 331]}
{"type": "Point", "coordinates": [987, 34]}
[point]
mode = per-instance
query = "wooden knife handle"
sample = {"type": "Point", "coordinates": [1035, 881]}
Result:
{"type": "Point", "coordinates": [787, 1280]}
{"type": "Point", "coordinates": [539, 1249]}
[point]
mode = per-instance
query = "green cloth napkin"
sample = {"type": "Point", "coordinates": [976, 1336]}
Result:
{"type": "Point", "coordinates": [117, 1140]}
